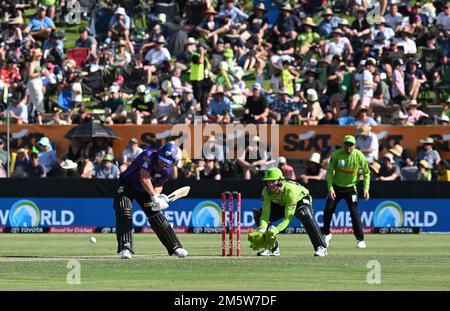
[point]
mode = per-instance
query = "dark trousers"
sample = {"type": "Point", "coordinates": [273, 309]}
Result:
{"type": "Point", "coordinates": [351, 197]}
{"type": "Point", "coordinates": [201, 90]}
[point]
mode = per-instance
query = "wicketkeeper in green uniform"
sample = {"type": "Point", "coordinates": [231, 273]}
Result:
{"type": "Point", "coordinates": [342, 177]}
{"type": "Point", "coordinates": [282, 200]}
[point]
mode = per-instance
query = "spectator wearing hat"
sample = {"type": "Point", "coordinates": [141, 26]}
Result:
{"type": "Point", "coordinates": [383, 31]}
{"type": "Point", "coordinates": [119, 25]}
{"type": "Point", "coordinates": [219, 109]}
{"type": "Point", "coordinates": [53, 47]}
{"type": "Point", "coordinates": [409, 45]}
{"type": "Point", "coordinates": [120, 57]}
{"type": "Point", "coordinates": [329, 118]}
{"type": "Point", "coordinates": [130, 153]}
{"type": "Point", "coordinates": [142, 106]}
{"type": "Point", "coordinates": [339, 44]}
{"type": "Point", "coordinates": [400, 118]}
{"type": "Point", "coordinates": [115, 111]}
{"type": "Point", "coordinates": [287, 23]}
{"type": "Point", "coordinates": [366, 85]}
{"type": "Point", "coordinates": [189, 48]}
{"type": "Point", "coordinates": [443, 119]}
{"type": "Point", "coordinates": [393, 18]}
{"type": "Point", "coordinates": [256, 108]}
{"type": "Point", "coordinates": [34, 169]}
{"type": "Point", "coordinates": [188, 106]}
{"type": "Point", "coordinates": [107, 169]}
{"type": "Point", "coordinates": [210, 27]}
{"type": "Point", "coordinates": [424, 171]}
{"type": "Point", "coordinates": [398, 82]}
{"type": "Point", "coordinates": [362, 117]}
{"type": "Point", "coordinates": [156, 57]}
{"type": "Point", "coordinates": [366, 52]}
{"type": "Point", "coordinates": [69, 169]}
{"type": "Point", "coordinates": [414, 114]}
{"type": "Point", "coordinates": [428, 153]}
{"type": "Point", "coordinates": [86, 41]}
{"type": "Point", "coordinates": [165, 110]}
{"type": "Point", "coordinates": [400, 155]}
{"type": "Point", "coordinates": [47, 156]}
{"type": "Point", "coordinates": [328, 23]}
{"type": "Point", "coordinates": [283, 110]}
{"type": "Point", "coordinates": [414, 78]}
{"type": "Point", "coordinates": [34, 86]}
{"type": "Point", "coordinates": [40, 26]}
{"type": "Point", "coordinates": [258, 22]}
{"type": "Point", "coordinates": [361, 27]}
{"type": "Point", "coordinates": [313, 169]}
{"type": "Point", "coordinates": [389, 171]}
{"type": "Point", "coordinates": [21, 162]}
{"type": "Point", "coordinates": [287, 170]}
{"type": "Point", "coordinates": [313, 112]}
{"type": "Point", "coordinates": [309, 38]}
{"type": "Point", "coordinates": [232, 11]}
{"type": "Point", "coordinates": [367, 142]}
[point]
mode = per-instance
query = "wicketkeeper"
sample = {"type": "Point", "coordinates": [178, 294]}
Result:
{"type": "Point", "coordinates": [143, 181]}
{"type": "Point", "coordinates": [282, 200]}
{"type": "Point", "coordinates": [342, 177]}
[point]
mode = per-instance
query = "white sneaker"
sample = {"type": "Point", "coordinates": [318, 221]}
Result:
{"type": "Point", "coordinates": [181, 252]}
{"type": "Point", "coordinates": [327, 239]}
{"type": "Point", "coordinates": [125, 254]}
{"type": "Point", "coordinates": [361, 244]}
{"type": "Point", "coordinates": [269, 252]}
{"type": "Point", "coordinates": [321, 252]}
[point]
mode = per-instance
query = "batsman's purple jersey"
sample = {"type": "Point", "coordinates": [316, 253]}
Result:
{"type": "Point", "coordinates": [148, 161]}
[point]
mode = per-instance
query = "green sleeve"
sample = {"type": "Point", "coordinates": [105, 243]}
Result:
{"type": "Point", "coordinates": [265, 213]}
{"type": "Point", "coordinates": [330, 173]}
{"type": "Point", "coordinates": [366, 173]}
{"type": "Point", "coordinates": [291, 200]}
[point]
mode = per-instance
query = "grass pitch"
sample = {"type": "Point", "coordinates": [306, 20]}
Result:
{"type": "Point", "coordinates": [408, 262]}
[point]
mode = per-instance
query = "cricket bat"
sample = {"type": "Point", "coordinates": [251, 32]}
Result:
{"type": "Point", "coordinates": [179, 193]}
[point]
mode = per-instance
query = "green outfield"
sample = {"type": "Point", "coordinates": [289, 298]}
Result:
{"type": "Point", "coordinates": [408, 262]}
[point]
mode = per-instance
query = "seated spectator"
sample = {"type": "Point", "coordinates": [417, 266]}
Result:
{"type": "Point", "coordinates": [428, 153]}
{"type": "Point", "coordinates": [362, 117]}
{"type": "Point", "coordinates": [257, 106]}
{"type": "Point", "coordinates": [142, 106]}
{"type": "Point", "coordinates": [119, 25]}
{"type": "Point", "coordinates": [188, 106]}
{"type": "Point", "coordinates": [258, 22]}
{"type": "Point", "coordinates": [85, 168]}
{"type": "Point", "coordinates": [443, 120]}
{"type": "Point", "coordinates": [414, 79]}
{"type": "Point", "coordinates": [115, 111]}
{"type": "Point", "coordinates": [86, 41]}
{"type": "Point", "coordinates": [211, 170]}
{"type": "Point", "coordinates": [3, 153]}
{"type": "Point", "coordinates": [213, 149]}
{"type": "Point", "coordinates": [53, 47]}
{"type": "Point", "coordinates": [156, 57]}
{"type": "Point", "coordinates": [47, 156]}
{"type": "Point", "coordinates": [34, 169]}
{"type": "Point", "coordinates": [129, 154]}
{"type": "Point", "coordinates": [374, 170]}
{"type": "Point", "coordinates": [329, 22]}
{"type": "Point", "coordinates": [399, 155]}
{"type": "Point", "coordinates": [97, 149]}
{"type": "Point", "coordinates": [399, 118]}
{"type": "Point", "coordinates": [313, 112]}
{"type": "Point", "coordinates": [165, 111]}
{"type": "Point", "coordinates": [253, 158]}
{"type": "Point", "coordinates": [287, 23]}
{"type": "Point", "coordinates": [18, 110]}
{"type": "Point", "coordinates": [398, 82]}
{"type": "Point", "coordinates": [311, 82]}
{"type": "Point", "coordinates": [443, 171]}
{"type": "Point", "coordinates": [367, 142]}
{"type": "Point", "coordinates": [329, 118]}
{"type": "Point", "coordinates": [313, 169]}
{"type": "Point", "coordinates": [70, 169]}
{"type": "Point", "coordinates": [188, 172]}
{"type": "Point", "coordinates": [288, 171]}
{"type": "Point", "coordinates": [415, 114]}
{"type": "Point", "coordinates": [219, 110]}
{"type": "Point", "coordinates": [120, 57]}
{"type": "Point", "coordinates": [107, 169]}
{"type": "Point", "coordinates": [40, 26]}
{"type": "Point", "coordinates": [232, 11]}
{"type": "Point", "coordinates": [283, 110]}
{"type": "Point", "coordinates": [389, 171]}
{"type": "Point", "coordinates": [21, 161]}
{"type": "Point", "coordinates": [424, 171]}
{"type": "Point", "coordinates": [210, 27]}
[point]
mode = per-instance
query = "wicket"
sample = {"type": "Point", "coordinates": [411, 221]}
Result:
{"type": "Point", "coordinates": [231, 196]}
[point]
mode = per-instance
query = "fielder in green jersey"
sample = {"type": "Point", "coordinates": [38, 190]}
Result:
{"type": "Point", "coordinates": [282, 200]}
{"type": "Point", "coordinates": [342, 177]}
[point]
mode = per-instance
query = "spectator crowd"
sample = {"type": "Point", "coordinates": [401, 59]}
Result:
{"type": "Point", "coordinates": [302, 62]}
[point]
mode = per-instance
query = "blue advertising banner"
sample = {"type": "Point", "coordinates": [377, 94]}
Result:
{"type": "Point", "coordinates": [430, 215]}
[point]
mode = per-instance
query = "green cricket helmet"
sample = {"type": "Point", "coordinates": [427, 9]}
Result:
{"type": "Point", "coordinates": [273, 173]}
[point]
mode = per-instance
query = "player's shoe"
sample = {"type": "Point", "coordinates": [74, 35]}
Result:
{"type": "Point", "coordinates": [361, 244]}
{"type": "Point", "coordinates": [321, 252]}
{"type": "Point", "coordinates": [181, 252]}
{"type": "Point", "coordinates": [270, 252]}
{"type": "Point", "coordinates": [327, 239]}
{"type": "Point", "coordinates": [125, 254]}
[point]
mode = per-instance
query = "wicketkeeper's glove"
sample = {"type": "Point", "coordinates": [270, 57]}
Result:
{"type": "Point", "coordinates": [270, 237]}
{"type": "Point", "coordinates": [256, 240]}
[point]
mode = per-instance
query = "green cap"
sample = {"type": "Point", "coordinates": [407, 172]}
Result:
{"type": "Point", "coordinates": [108, 157]}
{"type": "Point", "coordinates": [273, 173]}
{"type": "Point", "coordinates": [228, 53]}
{"type": "Point", "coordinates": [349, 139]}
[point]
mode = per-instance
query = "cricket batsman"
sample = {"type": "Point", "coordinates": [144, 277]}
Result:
{"type": "Point", "coordinates": [143, 181]}
{"type": "Point", "coordinates": [282, 200]}
{"type": "Point", "coordinates": [342, 177]}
